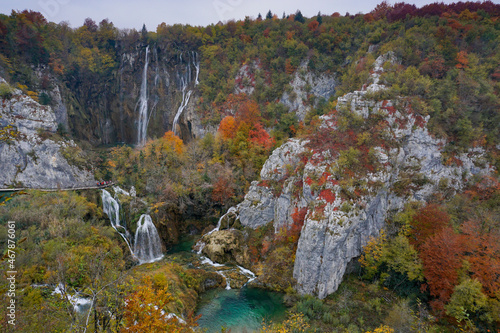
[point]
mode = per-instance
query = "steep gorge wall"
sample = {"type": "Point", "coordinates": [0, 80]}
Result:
{"type": "Point", "coordinates": [342, 212]}
{"type": "Point", "coordinates": [103, 109]}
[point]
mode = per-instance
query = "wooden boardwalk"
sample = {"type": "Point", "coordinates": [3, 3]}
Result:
{"type": "Point", "coordinates": [96, 187]}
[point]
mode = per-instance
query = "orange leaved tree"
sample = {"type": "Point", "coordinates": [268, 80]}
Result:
{"type": "Point", "coordinates": [144, 311]}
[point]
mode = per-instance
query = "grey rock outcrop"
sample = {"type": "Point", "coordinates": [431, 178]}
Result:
{"type": "Point", "coordinates": [337, 227]}
{"type": "Point", "coordinates": [245, 78]}
{"type": "Point", "coordinates": [306, 83]}
{"type": "Point", "coordinates": [30, 159]}
{"type": "Point", "coordinates": [261, 206]}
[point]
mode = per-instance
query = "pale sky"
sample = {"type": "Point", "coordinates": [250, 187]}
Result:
{"type": "Point", "coordinates": [135, 13]}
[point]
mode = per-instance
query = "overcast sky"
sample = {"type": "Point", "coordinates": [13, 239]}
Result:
{"type": "Point", "coordinates": [135, 13]}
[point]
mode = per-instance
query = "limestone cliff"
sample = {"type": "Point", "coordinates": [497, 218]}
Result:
{"type": "Point", "coordinates": [306, 85]}
{"type": "Point", "coordinates": [32, 159]}
{"type": "Point", "coordinates": [363, 163]}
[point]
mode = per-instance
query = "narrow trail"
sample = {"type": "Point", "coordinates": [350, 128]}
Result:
{"type": "Point", "coordinates": [96, 187]}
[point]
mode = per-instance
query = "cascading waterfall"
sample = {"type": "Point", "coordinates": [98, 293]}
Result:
{"type": "Point", "coordinates": [200, 245]}
{"type": "Point", "coordinates": [111, 207]}
{"type": "Point", "coordinates": [147, 243]}
{"type": "Point", "coordinates": [184, 102]}
{"type": "Point", "coordinates": [204, 260]}
{"type": "Point", "coordinates": [142, 122]}
{"type": "Point", "coordinates": [248, 273]}
{"type": "Point", "coordinates": [185, 79]}
{"type": "Point", "coordinates": [80, 304]}
{"type": "Point", "coordinates": [196, 64]}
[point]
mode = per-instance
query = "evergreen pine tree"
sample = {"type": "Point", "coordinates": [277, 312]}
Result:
{"type": "Point", "coordinates": [144, 33]}
{"type": "Point", "coordinates": [269, 15]}
{"type": "Point", "coordinates": [299, 17]}
{"type": "Point", "coordinates": [319, 18]}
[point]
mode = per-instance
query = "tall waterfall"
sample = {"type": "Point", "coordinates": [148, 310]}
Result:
{"type": "Point", "coordinates": [196, 64]}
{"type": "Point", "coordinates": [147, 243]}
{"type": "Point", "coordinates": [185, 80]}
{"type": "Point", "coordinates": [184, 102]}
{"type": "Point", "coordinates": [142, 123]}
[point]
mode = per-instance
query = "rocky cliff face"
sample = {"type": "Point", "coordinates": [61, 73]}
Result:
{"type": "Point", "coordinates": [304, 86]}
{"type": "Point", "coordinates": [32, 159]}
{"type": "Point", "coordinates": [346, 181]}
{"type": "Point", "coordinates": [104, 109]}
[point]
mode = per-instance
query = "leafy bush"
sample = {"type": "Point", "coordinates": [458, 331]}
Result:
{"type": "Point", "coordinates": [6, 90]}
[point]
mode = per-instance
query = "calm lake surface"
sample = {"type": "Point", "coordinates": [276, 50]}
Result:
{"type": "Point", "coordinates": [241, 310]}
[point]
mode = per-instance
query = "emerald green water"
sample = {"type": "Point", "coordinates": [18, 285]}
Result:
{"type": "Point", "coordinates": [185, 245]}
{"type": "Point", "coordinates": [241, 310]}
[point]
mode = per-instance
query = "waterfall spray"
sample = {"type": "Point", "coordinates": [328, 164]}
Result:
{"type": "Point", "coordinates": [147, 246]}
{"type": "Point", "coordinates": [147, 243]}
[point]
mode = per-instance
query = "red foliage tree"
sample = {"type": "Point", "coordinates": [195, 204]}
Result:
{"type": "Point", "coordinates": [313, 25]}
{"type": "Point", "coordinates": [483, 256]}
{"type": "Point", "coordinates": [298, 217]}
{"type": "Point", "coordinates": [442, 257]}
{"type": "Point", "coordinates": [462, 61]}
{"type": "Point", "coordinates": [428, 221]}
{"type": "Point", "coordinates": [400, 11]}
{"type": "Point", "coordinates": [260, 137]}
{"type": "Point", "coordinates": [327, 195]}
{"type": "Point", "coordinates": [434, 66]}
{"type": "Point", "coordinates": [486, 189]}
{"type": "Point", "coordinates": [223, 190]}
{"type": "Point", "coordinates": [248, 111]}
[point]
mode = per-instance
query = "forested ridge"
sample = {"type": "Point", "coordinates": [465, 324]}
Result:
{"type": "Point", "coordinates": [433, 268]}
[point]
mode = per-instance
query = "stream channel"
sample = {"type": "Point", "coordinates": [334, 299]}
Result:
{"type": "Point", "coordinates": [241, 310]}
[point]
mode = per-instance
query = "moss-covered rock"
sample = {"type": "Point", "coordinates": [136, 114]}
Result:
{"type": "Point", "coordinates": [225, 246]}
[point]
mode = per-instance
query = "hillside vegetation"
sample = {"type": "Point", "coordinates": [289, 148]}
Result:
{"type": "Point", "coordinates": [433, 268]}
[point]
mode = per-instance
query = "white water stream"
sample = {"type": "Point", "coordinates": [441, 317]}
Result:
{"type": "Point", "coordinates": [142, 121]}
{"type": "Point", "coordinates": [185, 80]}
{"type": "Point", "coordinates": [204, 260]}
{"type": "Point", "coordinates": [147, 245]}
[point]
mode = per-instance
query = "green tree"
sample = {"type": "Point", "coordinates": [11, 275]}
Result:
{"type": "Point", "coordinates": [299, 17]}
{"type": "Point", "coordinates": [467, 299]}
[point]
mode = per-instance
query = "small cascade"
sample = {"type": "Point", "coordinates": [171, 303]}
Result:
{"type": "Point", "coordinates": [118, 189]}
{"type": "Point", "coordinates": [80, 304]}
{"type": "Point", "coordinates": [248, 273]}
{"type": "Point", "coordinates": [143, 104]}
{"type": "Point", "coordinates": [147, 246]}
{"type": "Point", "coordinates": [111, 207]}
{"type": "Point", "coordinates": [147, 243]}
{"type": "Point", "coordinates": [200, 245]}
{"type": "Point", "coordinates": [204, 260]}
{"type": "Point", "coordinates": [228, 282]}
